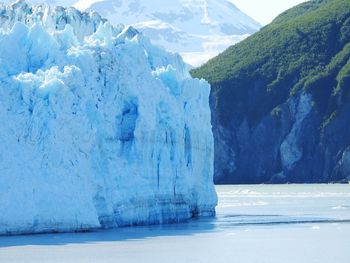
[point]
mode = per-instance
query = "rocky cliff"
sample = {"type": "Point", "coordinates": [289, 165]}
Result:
{"type": "Point", "coordinates": [281, 101]}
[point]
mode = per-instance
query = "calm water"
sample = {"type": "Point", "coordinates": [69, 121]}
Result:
{"type": "Point", "coordinates": [254, 224]}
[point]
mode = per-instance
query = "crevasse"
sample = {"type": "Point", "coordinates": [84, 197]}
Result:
{"type": "Point", "coordinates": [99, 128]}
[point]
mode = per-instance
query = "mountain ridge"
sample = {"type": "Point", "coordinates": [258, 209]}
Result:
{"type": "Point", "coordinates": [197, 29]}
{"type": "Point", "coordinates": [283, 90]}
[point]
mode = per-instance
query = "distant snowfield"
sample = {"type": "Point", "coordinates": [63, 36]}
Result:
{"type": "Point", "coordinates": [212, 46]}
{"type": "Point", "coordinates": [255, 224]}
{"type": "Point", "coordinates": [197, 29]}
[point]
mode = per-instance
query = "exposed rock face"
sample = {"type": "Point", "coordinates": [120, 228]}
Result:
{"type": "Point", "coordinates": [280, 99]}
{"type": "Point", "coordinates": [288, 145]}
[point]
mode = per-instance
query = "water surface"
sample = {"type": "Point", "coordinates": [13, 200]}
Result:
{"type": "Point", "coordinates": [254, 224]}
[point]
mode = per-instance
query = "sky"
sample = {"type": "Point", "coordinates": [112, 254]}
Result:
{"type": "Point", "coordinates": [264, 11]}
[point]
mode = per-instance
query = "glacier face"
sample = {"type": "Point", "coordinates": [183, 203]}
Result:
{"type": "Point", "coordinates": [99, 128]}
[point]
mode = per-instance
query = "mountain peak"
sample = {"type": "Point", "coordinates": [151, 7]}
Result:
{"type": "Point", "coordinates": [197, 29]}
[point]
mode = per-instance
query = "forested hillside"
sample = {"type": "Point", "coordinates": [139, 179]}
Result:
{"type": "Point", "coordinates": [280, 99]}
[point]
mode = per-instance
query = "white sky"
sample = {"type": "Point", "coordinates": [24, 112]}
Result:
{"type": "Point", "coordinates": [264, 11]}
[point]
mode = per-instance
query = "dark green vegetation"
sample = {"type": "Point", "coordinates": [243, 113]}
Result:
{"type": "Point", "coordinates": [280, 99]}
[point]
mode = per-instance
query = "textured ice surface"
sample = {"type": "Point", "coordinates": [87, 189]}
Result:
{"type": "Point", "coordinates": [98, 127]}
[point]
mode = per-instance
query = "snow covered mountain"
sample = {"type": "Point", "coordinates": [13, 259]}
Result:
{"type": "Point", "coordinates": [197, 29]}
{"type": "Point", "coordinates": [99, 127]}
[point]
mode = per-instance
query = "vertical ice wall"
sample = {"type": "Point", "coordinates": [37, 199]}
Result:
{"type": "Point", "coordinates": [98, 127]}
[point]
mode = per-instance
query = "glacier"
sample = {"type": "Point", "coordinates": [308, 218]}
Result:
{"type": "Point", "coordinates": [99, 128]}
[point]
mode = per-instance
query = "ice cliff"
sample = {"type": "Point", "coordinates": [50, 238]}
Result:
{"type": "Point", "coordinates": [98, 127]}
